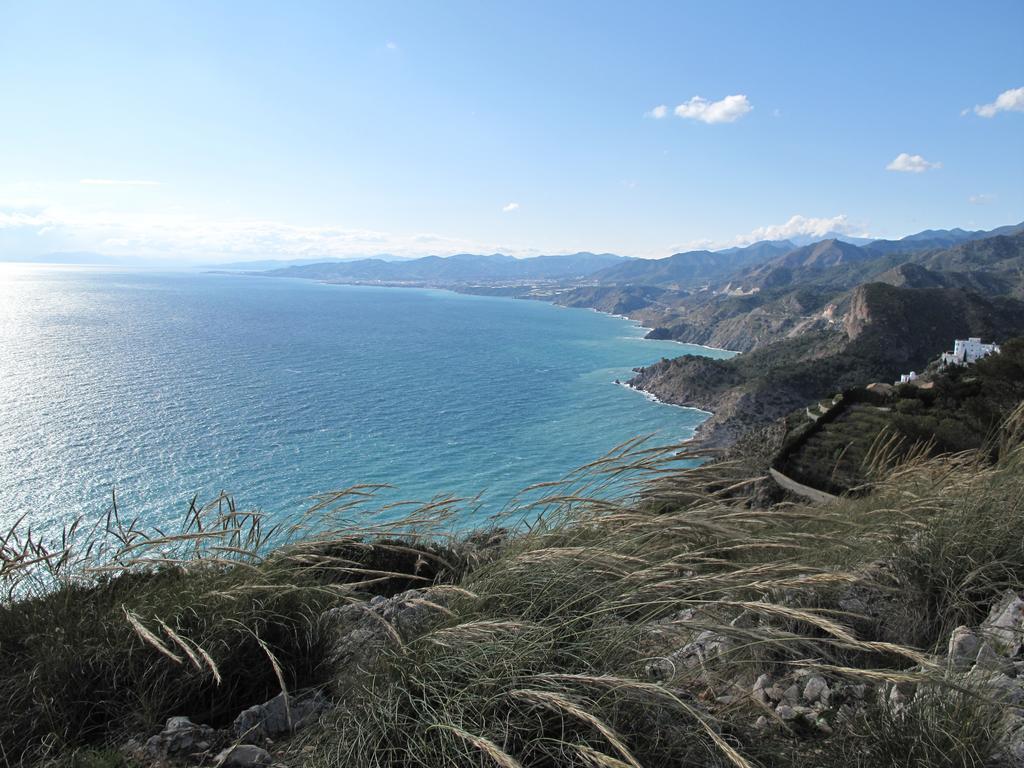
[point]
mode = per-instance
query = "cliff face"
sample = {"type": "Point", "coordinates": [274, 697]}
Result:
{"type": "Point", "coordinates": [640, 302]}
{"type": "Point", "coordinates": [873, 334]}
{"type": "Point", "coordinates": [826, 286]}
{"type": "Point", "coordinates": [692, 381]}
{"type": "Point", "coordinates": [746, 322]}
{"type": "Point", "coordinates": [859, 314]}
{"type": "Point", "coordinates": [913, 325]}
{"type": "Point", "coordinates": [749, 390]}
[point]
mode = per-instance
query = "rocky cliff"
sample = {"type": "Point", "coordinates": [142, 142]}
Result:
{"type": "Point", "coordinates": [875, 333]}
{"type": "Point", "coordinates": [812, 288]}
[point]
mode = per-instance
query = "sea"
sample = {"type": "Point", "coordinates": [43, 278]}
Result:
{"type": "Point", "coordinates": [162, 387]}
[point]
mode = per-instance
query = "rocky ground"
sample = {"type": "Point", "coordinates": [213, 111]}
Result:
{"type": "Point", "coordinates": [986, 659]}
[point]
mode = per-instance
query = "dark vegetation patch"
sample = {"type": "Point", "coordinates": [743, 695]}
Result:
{"type": "Point", "coordinates": [76, 668]}
{"type": "Point", "coordinates": [961, 411]}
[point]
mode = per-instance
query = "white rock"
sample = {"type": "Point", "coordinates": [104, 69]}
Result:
{"type": "Point", "coordinates": [900, 694]}
{"type": "Point", "coordinates": [963, 647]}
{"type": "Point", "coordinates": [363, 631]}
{"type": "Point", "coordinates": [992, 661]}
{"type": "Point", "coordinates": [816, 689]}
{"type": "Point", "coordinates": [997, 686]}
{"type": "Point", "coordinates": [759, 692]}
{"type": "Point", "coordinates": [789, 714]}
{"type": "Point", "coordinates": [1004, 627]}
{"type": "Point", "coordinates": [180, 736]}
{"type": "Point", "coordinates": [244, 756]}
{"type": "Point", "coordinates": [278, 717]}
{"type": "Point", "coordinates": [774, 692]}
{"type": "Point", "coordinates": [786, 712]}
{"type": "Point", "coordinates": [1014, 743]}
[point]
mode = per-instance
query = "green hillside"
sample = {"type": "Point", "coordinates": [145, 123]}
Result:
{"type": "Point", "coordinates": [959, 409]}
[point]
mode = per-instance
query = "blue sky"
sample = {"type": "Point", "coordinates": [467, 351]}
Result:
{"type": "Point", "coordinates": [219, 131]}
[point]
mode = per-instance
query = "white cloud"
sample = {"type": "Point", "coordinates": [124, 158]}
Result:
{"type": "Point", "coordinates": [1007, 101]}
{"type": "Point", "coordinates": [119, 183]}
{"type": "Point", "coordinates": [658, 112]}
{"type": "Point", "coordinates": [700, 244]}
{"type": "Point", "coordinates": [511, 207]}
{"type": "Point", "coordinates": [982, 199]}
{"type": "Point", "coordinates": [36, 229]}
{"type": "Point", "coordinates": [392, 45]}
{"type": "Point", "coordinates": [20, 219]}
{"type": "Point", "coordinates": [728, 110]}
{"type": "Point", "coordinates": [802, 225]}
{"type": "Point", "coordinates": [907, 163]}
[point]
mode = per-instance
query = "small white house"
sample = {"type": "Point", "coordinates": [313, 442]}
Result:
{"type": "Point", "coordinates": [966, 351]}
{"type": "Point", "coordinates": [906, 378]}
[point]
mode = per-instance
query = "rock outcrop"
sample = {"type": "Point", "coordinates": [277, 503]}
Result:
{"type": "Point", "coordinates": [363, 631]}
{"type": "Point", "coordinates": [180, 738]}
{"type": "Point", "coordinates": [281, 716]}
{"type": "Point", "coordinates": [244, 756]}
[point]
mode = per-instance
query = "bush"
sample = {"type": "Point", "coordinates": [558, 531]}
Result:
{"type": "Point", "coordinates": [120, 630]}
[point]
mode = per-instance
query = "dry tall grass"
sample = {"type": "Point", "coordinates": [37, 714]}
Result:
{"type": "Point", "coordinates": [557, 652]}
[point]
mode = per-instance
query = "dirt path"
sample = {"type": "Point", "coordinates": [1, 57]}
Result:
{"type": "Point", "coordinates": [818, 497]}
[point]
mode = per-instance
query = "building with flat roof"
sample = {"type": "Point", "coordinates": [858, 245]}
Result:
{"type": "Point", "coordinates": [967, 351]}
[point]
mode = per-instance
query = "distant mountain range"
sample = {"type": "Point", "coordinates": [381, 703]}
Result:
{"type": "Point", "coordinates": [688, 270]}
{"type": "Point", "coordinates": [265, 265]}
{"type": "Point", "coordinates": [753, 267]}
{"type": "Point", "coordinates": [691, 268]}
{"type": "Point", "coordinates": [801, 240]}
{"type": "Point", "coordinates": [873, 333]}
{"type": "Point", "coordinates": [806, 288]}
{"type": "Point", "coordinates": [769, 263]}
{"type": "Point", "coordinates": [942, 238]}
{"type": "Point", "coordinates": [824, 317]}
{"type": "Point", "coordinates": [458, 269]}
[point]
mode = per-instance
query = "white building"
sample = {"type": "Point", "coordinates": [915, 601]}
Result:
{"type": "Point", "coordinates": [967, 351]}
{"type": "Point", "coordinates": [906, 378]}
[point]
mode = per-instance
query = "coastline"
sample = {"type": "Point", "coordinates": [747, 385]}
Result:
{"type": "Point", "coordinates": [655, 399]}
{"type": "Point", "coordinates": [545, 299]}
{"type": "Point", "coordinates": [697, 430]}
{"type": "Point", "coordinates": [732, 352]}
{"type": "Point", "coordinates": [639, 324]}
{"type": "Point", "coordinates": [707, 414]}
{"type": "Point", "coordinates": [647, 395]}
{"type": "Point", "coordinates": [548, 299]}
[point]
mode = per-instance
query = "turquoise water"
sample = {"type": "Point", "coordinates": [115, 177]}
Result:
{"type": "Point", "coordinates": [170, 385]}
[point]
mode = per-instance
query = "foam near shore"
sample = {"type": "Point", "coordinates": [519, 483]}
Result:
{"type": "Point", "coordinates": [655, 399]}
